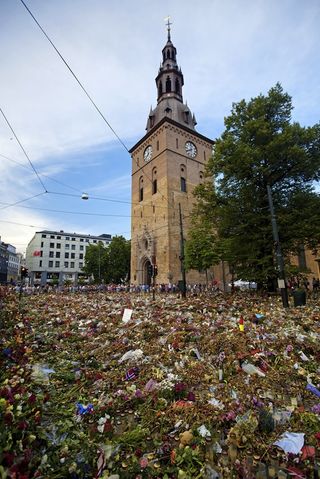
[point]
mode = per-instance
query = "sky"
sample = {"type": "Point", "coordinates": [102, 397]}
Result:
{"type": "Point", "coordinates": [228, 50]}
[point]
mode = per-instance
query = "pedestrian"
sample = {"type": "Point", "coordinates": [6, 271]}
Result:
{"type": "Point", "coordinates": [315, 286]}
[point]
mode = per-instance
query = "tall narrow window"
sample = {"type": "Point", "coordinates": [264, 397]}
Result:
{"type": "Point", "coordinates": [141, 188]}
{"type": "Point", "coordinates": [168, 85]}
{"type": "Point", "coordinates": [154, 186]}
{"type": "Point", "coordinates": [177, 86]}
{"type": "Point", "coordinates": [160, 88]}
{"type": "Point", "coordinates": [177, 143]}
{"type": "Point", "coordinates": [157, 145]}
{"type": "Point", "coordinates": [154, 181]}
{"type": "Point", "coordinates": [183, 184]}
{"type": "Point", "coordinates": [183, 181]}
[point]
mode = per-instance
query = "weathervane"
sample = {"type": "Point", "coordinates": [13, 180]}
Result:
{"type": "Point", "coordinates": [168, 27]}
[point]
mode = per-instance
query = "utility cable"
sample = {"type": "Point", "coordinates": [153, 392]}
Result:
{"type": "Point", "coordinates": [40, 174]}
{"type": "Point", "coordinates": [81, 86]}
{"type": "Point", "coordinates": [72, 212]}
{"type": "Point", "coordinates": [24, 151]}
{"type": "Point", "coordinates": [101, 198]}
{"type": "Point", "coordinates": [22, 201]}
{"type": "Point", "coordinates": [98, 198]}
{"type": "Point", "coordinates": [75, 76]}
{"type": "Point", "coordinates": [22, 224]}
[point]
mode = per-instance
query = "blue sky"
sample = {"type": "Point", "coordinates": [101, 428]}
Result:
{"type": "Point", "coordinates": [228, 50]}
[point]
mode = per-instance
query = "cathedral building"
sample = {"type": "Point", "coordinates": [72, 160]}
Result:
{"type": "Point", "coordinates": [167, 164]}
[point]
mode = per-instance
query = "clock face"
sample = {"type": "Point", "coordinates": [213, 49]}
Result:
{"type": "Point", "coordinates": [191, 149]}
{"type": "Point", "coordinates": [147, 153]}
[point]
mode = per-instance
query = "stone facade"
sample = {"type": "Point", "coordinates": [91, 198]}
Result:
{"type": "Point", "coordinates": [167, 163]}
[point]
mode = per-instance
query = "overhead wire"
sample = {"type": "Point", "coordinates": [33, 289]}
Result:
{"type": "Point", "coordinates": [41, 174]}
{"type": "Point", "coordinates": [75, 76]}
{"type": "Point", "coordinates": [22, 201]}
{"type": "Point", "coordinates": [21, 224]}
{"type": "Point", "coordinates": [24, 151]}
{"type": "Point", "coordinates": [104, 119]}
{"type": "Point", "coordinates": [81, 86]}
{"type": "Point", "coordinates": [102, 198]}
{"type": "Point", "coordinates": [72, 212]}
{"type": "Point", "coordinates": [98, 198]}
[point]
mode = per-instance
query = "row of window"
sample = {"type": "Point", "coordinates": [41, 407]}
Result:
{"type": "Point", "coordinates": [168, 86]}
{"type": "Point", "coordinates": [57, 255]}
{"type": "Point", "coordinates": [68, 238]}
{"type": "Point", "coordinates": [66, 246]}
{"type": "Point", "coordinates": [183, 182]}
{"type": "Point", "coordinates": [56, 264]}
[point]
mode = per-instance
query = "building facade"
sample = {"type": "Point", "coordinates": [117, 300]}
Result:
{"type": "Point", "coordinates": [167, 164]}
{"type": "Point", "coordinates": [4, 258]}
{"type": "Point", "coordinates": [9, 263]}
{"type": "Point", "coordinates": [56, 256]}
{"type": "Point", "coordinates": [13, 264]}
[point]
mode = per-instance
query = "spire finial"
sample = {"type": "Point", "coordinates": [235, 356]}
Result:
{"type": "Point", "coordinates": [168, 27]}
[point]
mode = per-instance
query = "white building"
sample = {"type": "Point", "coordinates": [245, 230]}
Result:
{"type": "Point", "coordinates": [56, 255]}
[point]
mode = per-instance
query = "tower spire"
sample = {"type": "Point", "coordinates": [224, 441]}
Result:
{"type": "Point", "coordinates": [169, 83]}
{"type": "Point", "coordinates": [168, 27]}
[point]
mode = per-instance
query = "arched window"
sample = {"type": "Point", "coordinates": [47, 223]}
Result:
{"type": "Point", "coordinates": [154, 181]}
{"type": "Point", "coordinates": [168, 85]}
{"type": "Point", "coordinates": [177, 86]}
{"type": "Point", "coordinates": [141, 188]}
{"type": "Point", "coordinates": [168, 54]}
{"type": "Point", "coordinates": [160, 88]}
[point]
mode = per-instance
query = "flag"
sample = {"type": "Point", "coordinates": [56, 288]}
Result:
{"type": "Point", "coordinates": [37, 253]}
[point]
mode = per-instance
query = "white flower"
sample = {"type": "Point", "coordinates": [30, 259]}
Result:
{"type": "Point", "coordinates": [101, 422]}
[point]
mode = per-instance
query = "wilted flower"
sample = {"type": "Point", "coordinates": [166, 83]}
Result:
{"type": "Point", "coordinates": [143, 462]}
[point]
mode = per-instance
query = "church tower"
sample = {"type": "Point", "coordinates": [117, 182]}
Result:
{"type": "Point", "coordinates": [167, 163]}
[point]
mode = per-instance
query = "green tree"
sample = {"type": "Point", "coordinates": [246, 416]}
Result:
{"type": "Point", "coordinates": [96, 261]}
{"type": "Point", "coordinates": [201, 249]}
{"type": "Point", "coordinates": [118, 260]}
{"type": "Point", "coordinates": [262, 146]}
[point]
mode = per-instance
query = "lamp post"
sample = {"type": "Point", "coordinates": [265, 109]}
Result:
{"type": "Point", "coordinates": [183, 270]}
{"type": "Point", "coordinates": [279, 257]}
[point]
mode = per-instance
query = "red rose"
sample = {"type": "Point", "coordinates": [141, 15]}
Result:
{"type": "Point", "coordinates": [32, 399]}
{"type": "Point", "coordinates": [22, 425]}
{"type": "Point", "coordinates": [8, 417]}
{"type": "Point", "coordinates": [8, 458]}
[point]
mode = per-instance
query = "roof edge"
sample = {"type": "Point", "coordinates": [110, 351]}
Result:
{"type": "Point", "coordinates": [175, 123]}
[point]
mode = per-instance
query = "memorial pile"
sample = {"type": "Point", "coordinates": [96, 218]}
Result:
{"type": "Point", "coordinates": [117, 386]}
